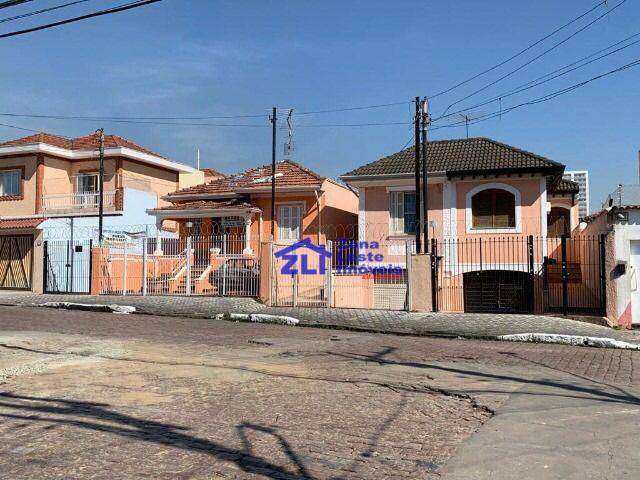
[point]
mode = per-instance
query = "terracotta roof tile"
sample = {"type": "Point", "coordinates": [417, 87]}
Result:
{"type": "Point", "coordinates": [205, 204]}
{"type": "Point", "coordinates": [561, 185]}
{"type": "Point", "coordinates": [21, 223]}
{"type": "Point", "coordinates": [87, 142]}
{"type": "Point", "coordinates": [460, 156]}
{"type": "Point", "coordinates": [288, 173]}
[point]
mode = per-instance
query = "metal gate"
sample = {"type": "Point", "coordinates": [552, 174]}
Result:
{"type": "Point", "coordinates": [520, 274]}
{"type": "Point", "coordinates": [67, 266]}
{"type": "Point", "coordinates": [16, 259]}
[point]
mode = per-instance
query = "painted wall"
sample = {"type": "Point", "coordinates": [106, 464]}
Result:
{"type": "Point", "coordinates": [27, 204]}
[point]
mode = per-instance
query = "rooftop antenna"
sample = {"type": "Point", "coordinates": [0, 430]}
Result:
{"type": "Point", "coordinates": [288, 146]}
{"type": "Point", "coordinates": [467, 119]}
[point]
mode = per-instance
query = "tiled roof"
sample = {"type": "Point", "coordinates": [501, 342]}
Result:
{"type": "Point", "coordinates": [210, 172]}
{"type": "Point", "coordinates": [562, 185]}
{"type": "Point", "coordinates": [463, 156]}
{"type": "Point", "coordinates": [21, 223]}
{"type": "Point", "coordinates": [288, 173]}
{"type": "Point", "coordinates": [206, 204]}
{"type": "Point", "coordinates": [87, 142]}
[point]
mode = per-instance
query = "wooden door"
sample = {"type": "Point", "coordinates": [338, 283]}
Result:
{"type": "Point", "coordinates": [16, 261]}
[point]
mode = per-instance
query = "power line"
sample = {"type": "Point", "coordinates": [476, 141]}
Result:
{"type": "Point", "coordinates": [537, 57]}
{"type": "Point", "coordinates": [544, 98]}
{"type": "Point", "coordinates": [564, 70]}
{"type": "Point", "coordinates": [13, 3]}
{"type": "Point", "coordinates": [119, 8]}
{"type": "Point", "coordinates": [521, 52]}
{"type": "Point", "coordinates": [44, 10]}
{"type": "Point", "coordinates": [18, 128]}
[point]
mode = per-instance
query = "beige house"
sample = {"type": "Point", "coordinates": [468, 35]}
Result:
{"type": "Point", "coordinates": [46, 176]}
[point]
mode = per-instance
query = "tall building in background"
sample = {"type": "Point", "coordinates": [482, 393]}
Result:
{"type": "Point", "coordinates": [581, 177]}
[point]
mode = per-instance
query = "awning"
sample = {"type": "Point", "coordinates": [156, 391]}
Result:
{"type": "Point", "coordinates": [20, 223]}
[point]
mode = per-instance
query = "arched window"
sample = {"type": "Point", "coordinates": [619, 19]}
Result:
{"type": "Point", "coordinates": [559, 222]}
{"type": "Point", "coordinates": [493, 208]}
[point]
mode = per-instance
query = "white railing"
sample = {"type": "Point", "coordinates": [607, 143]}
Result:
{"type": "Point", "coordinates": [78, 202]}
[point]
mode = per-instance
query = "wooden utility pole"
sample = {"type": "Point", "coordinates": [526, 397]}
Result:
{"type": "Point", "coordinates": [101, 187]}
{"type": "Point", "coordinates": [417, 175]}
{"type": "Point", "coordinates": [425, 176]}
{"type": "Point", "coordinates": [273, 172]}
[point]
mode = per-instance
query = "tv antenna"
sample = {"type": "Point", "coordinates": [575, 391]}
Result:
{"type": "Point", "coordinates": [288, 145]}
{"type": "Point", "coordinates": [468, 119]}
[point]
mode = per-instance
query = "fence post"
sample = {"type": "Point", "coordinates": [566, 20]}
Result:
{"type": "Point", "coordinates": [124, 270]}
{"type": "Point", "coordinates": [144, 266]}
{"type": "Point", "coordinates": [329, 276]}
{"type": "Point", "coordinates": [187, 285]}
{"type": "Point", "coordinates": [434, 275]}
{"type": "Point", "coordinates": [603, 276]}
{"type": "Point", "coordinates": [45, 273]}
{"type": "Point", "coordinates": [294, 286]}
{"type": "Point", "coordinates": [565, 277]}
{"type": "Point", "coordinates": [90, 265]}
{"type": "Point", "coordinates": [408, 250]}
{"type": "Point", "coordinates": [531, 272]}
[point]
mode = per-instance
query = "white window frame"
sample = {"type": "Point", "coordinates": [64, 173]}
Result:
{"type": "Point", "coordinates": [87, 174]}
{"type": "Point", "coordinates": [18, 182]}
{"type": "Point", "coordinates": [284, 234]}
{"type": "Point", "coordinates": [396, 211]}
{"type": "Point", "coordinates": [499, 186]}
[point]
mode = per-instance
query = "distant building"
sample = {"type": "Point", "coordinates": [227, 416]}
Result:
{"type": "Point", "coordinates": [581, 177]}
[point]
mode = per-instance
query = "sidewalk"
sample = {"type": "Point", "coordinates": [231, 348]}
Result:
{"type": "Point", "coordinates": [384, 321]}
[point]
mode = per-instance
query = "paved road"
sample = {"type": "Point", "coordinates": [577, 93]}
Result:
{"type": "Point", "coordinates": [460, 324]}
{"type": "Point", "coordinates": [87, 395]}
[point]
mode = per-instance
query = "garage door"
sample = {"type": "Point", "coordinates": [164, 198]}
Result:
{"type": "Point", "coordinates": [16, 262]}
{"type": "Point", "coordinates": [497, 291]}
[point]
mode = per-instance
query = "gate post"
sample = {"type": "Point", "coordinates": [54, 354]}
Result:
{"type": "Point", "coordinates": [603, 276]}
{"type": "Point", "coordinates": [565, 277]}
{"type": "Point", "coordinates": [144, 267]}
{"type": "Point", "coordinates": [408, 251]}
{"type": "Point", "coordinates": [329, 274]}
{"type": "Point", "coordinates": [531, 271]}
{"type": "Point", "coordinates": [45, 272]}
{"type": "Point", "coordinates": [90, 265]}
{"type": "Point", "coordinates": [434, 274]}
{"type": "Point", "coordinates": [187, 285]}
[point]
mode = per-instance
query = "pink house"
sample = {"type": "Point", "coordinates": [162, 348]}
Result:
{"type": "Point", "coordinates": [477, 187]}
{"type": "Point", "coordinates": [488, 203]}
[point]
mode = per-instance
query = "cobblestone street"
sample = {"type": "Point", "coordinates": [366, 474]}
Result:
{"type": "Point", "coordinates": [474, 325]}
{"type": "Point", "coordinates": [91, 395]}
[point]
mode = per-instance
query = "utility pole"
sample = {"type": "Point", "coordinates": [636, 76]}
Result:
{"type": "Point", "coordinates": [273, 119]}
{"type": "Point", "coordinates": [101, 186]}
{"type": "Point", "coordinates": [425, 190]}
{"type": "Point", "coordinates": [417, 174]}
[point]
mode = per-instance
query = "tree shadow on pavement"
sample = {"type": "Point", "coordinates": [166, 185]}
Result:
{"type": "Point", "coordinates": [593, 393]}
{"type": "Point", "coordinates": [87, 415]}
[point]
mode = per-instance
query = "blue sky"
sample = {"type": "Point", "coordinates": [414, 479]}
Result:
{"type": "Point", "coordinates": [210, 57]}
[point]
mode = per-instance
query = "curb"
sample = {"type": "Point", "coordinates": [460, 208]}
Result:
{"type": "Point", "coordinates": [89, 307]}
{"type": "Point", "coordinates": [258, 318]}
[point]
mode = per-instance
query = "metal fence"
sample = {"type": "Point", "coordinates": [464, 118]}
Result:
{"type": "Point", "coordinates": [211, 265]}
{"type": "Point", "coordinates": [67, 266]}
{"type": "Point", "coordinates": [520, 274]}
{"type": "Point", "coordinates": [356, 274]}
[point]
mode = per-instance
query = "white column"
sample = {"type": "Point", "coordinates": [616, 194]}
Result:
{"type": "Point", "coordinates": [247, 236]}
{"type": "Point", "coordinates": [158, 250]}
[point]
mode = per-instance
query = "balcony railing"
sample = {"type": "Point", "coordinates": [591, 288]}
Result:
{"type": "Point", "coordinates": [87, 202]}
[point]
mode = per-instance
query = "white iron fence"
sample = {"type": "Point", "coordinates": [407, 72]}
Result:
{"type": "Point", "coordinates": [214, 265]}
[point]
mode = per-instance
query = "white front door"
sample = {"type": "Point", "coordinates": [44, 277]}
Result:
{"type": "Point", "coordinates": [634, 280]}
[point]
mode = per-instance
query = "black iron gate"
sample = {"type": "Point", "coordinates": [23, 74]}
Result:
{"type": "Point", "coordinates": [520, 274]}
{"type": "Point", "coordinates": [67, 266]}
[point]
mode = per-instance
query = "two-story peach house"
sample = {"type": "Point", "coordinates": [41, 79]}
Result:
{"type": "Point", "coordinates": [45, 177]}
{"type": "Point", "coordinates": [478, 189]}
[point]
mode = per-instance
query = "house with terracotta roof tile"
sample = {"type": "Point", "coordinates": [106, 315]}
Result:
{"type": "Point", "coordinates": [307, 205]}
{"type": "Point", "coordinates": [45, 180]}
{"type": "Point", "coordinates": [485, 200]}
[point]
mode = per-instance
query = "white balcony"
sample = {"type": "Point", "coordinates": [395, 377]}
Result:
{"type": "Point", "coordinates": [79, 203]}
